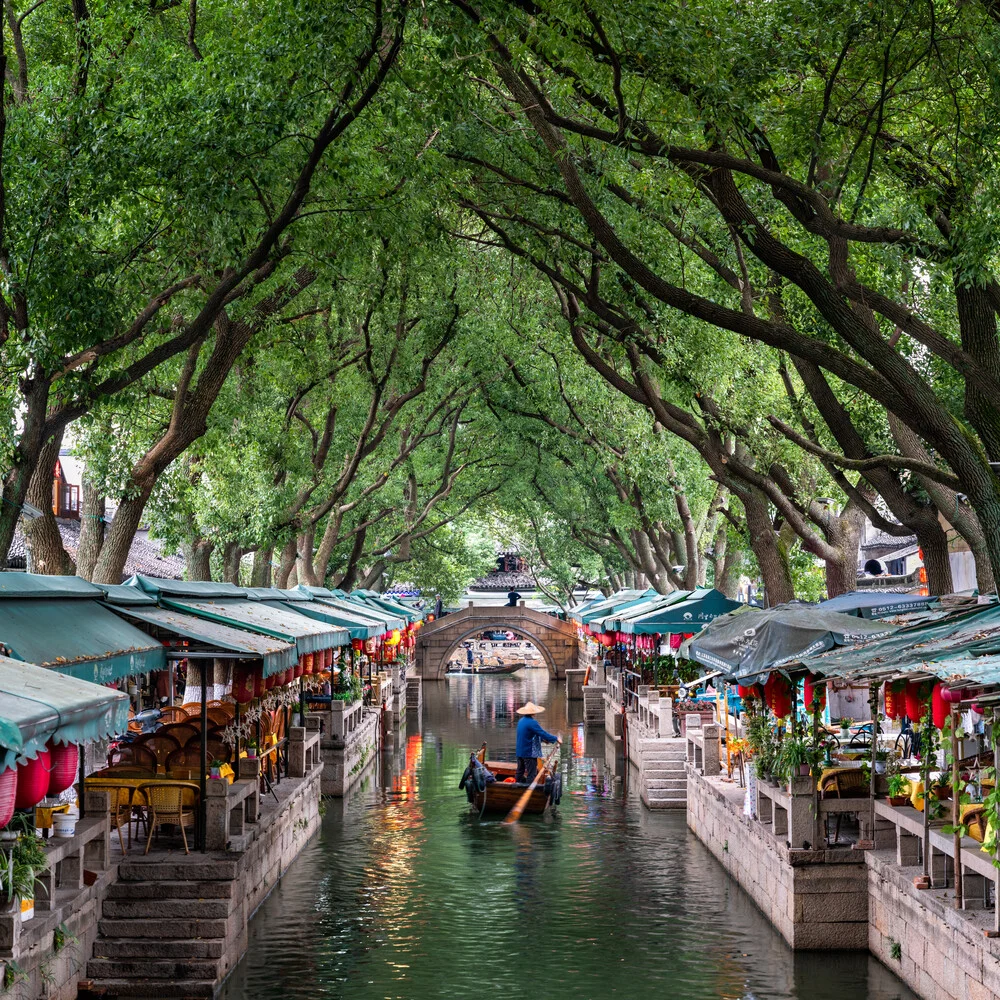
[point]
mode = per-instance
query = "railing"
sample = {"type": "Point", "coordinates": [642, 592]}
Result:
{"type": "Point", "coordinates": [630, 689]}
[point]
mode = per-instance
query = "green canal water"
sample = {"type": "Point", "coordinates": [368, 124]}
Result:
{"type": "Point", "coordinates": [405, 894]}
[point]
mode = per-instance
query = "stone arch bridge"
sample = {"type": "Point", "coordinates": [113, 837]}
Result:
{"type": "Point", "coordinates": [556, 640]}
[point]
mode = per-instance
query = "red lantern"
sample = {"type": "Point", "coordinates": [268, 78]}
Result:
{"type": "Point", "coordinates": [307, 663]}
{"type": "Point", "coordinates": [65, 764]}
{"type": "Point", "coordinates": [916, 700]}
{"type": "Point", "coordinates": [778, 693]}
{"type": "Point", "coordinates": [243, 683]}
{"type": "Point", "coordinates": [270, 682]}
{"type": "Point", "coordinates": [952, 695]}
{"type": "Point", "coordinates": [300, 668]}
{"type": "Point", "coordinates": [32, 780]}
{"type": "Point", "coordinates": [940, 709]}
{"type": "Point", "coordinates": [327, 659]}
{"type": "Point", "coordinates": [259, 684]}
{"type": "Point", "coordinates": [813, 690]}
{"type": "Point", "coordinates": [895, 699]}
{"type": "Point", "coordinates": [357, 645]}
{"type": "Point", "coordinates": [371, 646]}
{"type": "Point", "coordinates": [753, 691]}
{"type": "Point", "coordinates": [8, 794]}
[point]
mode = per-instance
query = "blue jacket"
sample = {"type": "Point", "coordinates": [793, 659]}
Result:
{"type": "Point", "coordinates": [530, 737]}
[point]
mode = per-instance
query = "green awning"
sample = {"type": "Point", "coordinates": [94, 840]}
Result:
{"type": "Point", "coordinates": [75, 636]}
{"type": "Point", "coordinates": [38, 705]}
{"type": "Point", "coordinates": [702, 607]}
{"type": "Point", "coordinates": [379, 603]}
{"type": "Point", "coordinates": [302, 603]}
{"type": "Point", "coordinates": [309, 635]}
{"type": "Point", "coordinates": [184, 588]}
{"type": "Point", "coordinates": [276, 654]}
{"type": "Point", "coordinates": [382, 620]}
{"type": "Point", "coordinates": [617, 602]}
{"type": "Point", "coordinates": [38, 585]}
{"type": "Point", "coordinates": [613, 622]}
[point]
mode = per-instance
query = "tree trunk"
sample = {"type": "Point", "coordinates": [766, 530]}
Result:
{"type": "Point", "coordinates": [728, 581]}
{"type": "Point", "coordinates": [771, 559]}
{"type": "Point", "coordinates": [844, 533]}
{"type": "Point", "coordinates": [260, 574]}
{"type": "Point", "coordinates": [43, 543]}
{"type": "Point", "coordinates": [110, 566]}
{"type": "Point", "coordinates": [304, 565]}
{"type": "Point", "coordinates": [231, 557]}
{"type": "Point", "coordinates": [198, 556]}
{"type": "Point", "coordinates": [286, 564]}
{"type": "Point", "coordinates": [91, 529]}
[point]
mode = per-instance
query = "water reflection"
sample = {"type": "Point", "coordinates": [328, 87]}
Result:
{"type": "Point", "coordinates": [407, 894]}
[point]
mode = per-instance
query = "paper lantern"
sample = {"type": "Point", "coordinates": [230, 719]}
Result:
{"type": "Point", "coordinates": [8, 794]}
{"type": "Point", "coordinates": [953, 695]}
{"type": "Point", "coordinates": [753, 691]}
{"type": "Point", "coordinates": [813, 690]}
{"type": "Point", "coordinates": [270, 682]}
{"type": "Point", "coordinates": [259, 684]}
{"type": "Point", "coordinates": [32, 780]}
{"type": "Point", "coordinates": [244, 677]}
{"type": "Point", "coordinates": [895, 699]}
{"type": "Point", "coordinates": [940, 709]}
{"type": "Point", "coordinates": [916, 700]}
{"type": "Point", "coordinates": [394, 638]}
{"type": "Point", "coordinates": [300, 667]}
{"type": "Point", "coordinates": [65, 758]}
{"type": "Point", "coordinates": [357, 645]}
{"type": "Point", "coordinates": [327, 659]}
{"type": "Point", "coordinates": [371, 646]}
{"type": "Point", "coordinates": [778, 693]}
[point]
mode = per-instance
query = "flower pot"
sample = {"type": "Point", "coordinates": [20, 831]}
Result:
{"type": "Point", "coordinates": [804, 770]}
{"type": "Point", "coordinates": [942, 793]}
{"type": "Point", "coordinates": [880, 767]}
{"type": "Point", "coordinates": [899, 800]}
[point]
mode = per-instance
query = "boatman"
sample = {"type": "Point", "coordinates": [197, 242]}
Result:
{"type": "Point", "coordinates": [530, 737]}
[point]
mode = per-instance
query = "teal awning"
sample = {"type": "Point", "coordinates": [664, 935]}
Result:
{"type": "Point", "coordinates": [75, 636]}
{"type": "Point", "coordinates": [184, 588]}
{"type": "Point", "coordinates": [380, 619]}
{"type": "Point", "coordinates": [613, 622]}
{"type": "Point", "coordinates": [359, 628]}
{"type": "Point", "coordinates": [379, 603]}
{"type": "Point", "coordinates": [276, 654]}
{"type": "Point", "coordinates": [39, 705]}
{"type": "Point", "coordinates": [309, 635]}
{"type": "Point", "coordinates": [702, 607]}
{"type": "Point", "coordinates": [617, 602]}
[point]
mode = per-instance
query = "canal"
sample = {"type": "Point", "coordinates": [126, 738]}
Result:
{"type": "Point", "coordinates": [407, 895]}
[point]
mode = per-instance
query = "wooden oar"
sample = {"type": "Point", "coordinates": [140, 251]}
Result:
{"type": "Point", "coordinates": [518, 808]}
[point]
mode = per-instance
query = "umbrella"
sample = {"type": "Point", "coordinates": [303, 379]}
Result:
{"type": "Point", "coordinates": [876, 604]}
{"type": "Point", "coordinates": [747, 643]}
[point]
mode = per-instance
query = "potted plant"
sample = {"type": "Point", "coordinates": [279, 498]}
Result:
{"type": "Point", "coordinates": [881, 761]}
{"type": "Point", "coordinates": [251, 749]}
{"type": "Point", "coordinates": [796, 757]}
{"type": "Point", "coordinates": [899, 790]}
{"type": "Point", "coordinates": [215, 767]}
{"type": "Point", "coordinates": [20, 867]}
{"type": "Point", "coordinates": [845, 727]}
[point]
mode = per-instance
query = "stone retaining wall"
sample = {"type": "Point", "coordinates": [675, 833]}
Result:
{"type": "Point", "coordinates": [939, 952]}
{"type": "Point", "coordinates": [815, 899]}
{"type": "Point", "coordinates": [344, 763]}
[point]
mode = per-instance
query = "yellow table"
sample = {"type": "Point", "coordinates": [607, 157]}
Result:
{"type": "Point", "coordinates": [43, 815]}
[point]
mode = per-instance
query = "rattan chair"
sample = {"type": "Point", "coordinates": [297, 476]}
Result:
{"type": "Point", "coordinates": [180, 731]}
{"type": "Point", "coordinates": [120, 807]}
{"type": "Point", "coordinates": [166, 805]}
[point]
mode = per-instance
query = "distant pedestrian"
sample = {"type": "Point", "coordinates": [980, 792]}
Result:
{"type": "Point", "coordinates": [469, 656]}
{"type": "Point", "coordinates": [512, 598]}
{"type": "Point", "coordinates": [437, 606]}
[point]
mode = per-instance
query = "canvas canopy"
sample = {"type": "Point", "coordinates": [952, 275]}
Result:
{"type": "Point", "coordinates": [748, 642]}
{"type": "Point", "coordinates": [59, 622]}
{"type": "Point", "coordinates": [39, 705]}
{"type": "Point", "coordinates": [875, 604]}
{"type": "Point", "coordinates": [689, 615]}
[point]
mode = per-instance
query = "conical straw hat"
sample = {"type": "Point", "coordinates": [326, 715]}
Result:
{"type": "Point", "coordinates": [530, 709]}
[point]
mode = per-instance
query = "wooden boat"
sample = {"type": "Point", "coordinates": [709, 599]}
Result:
{"type": "Point", "coordinates": [486, 668]}
{"type": "Point", "coordinates": [501, 795]}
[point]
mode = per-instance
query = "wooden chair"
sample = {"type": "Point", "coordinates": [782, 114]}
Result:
{"type": "Point", "coordinates": [172, 713]}
{"type": "Point", "coordinates": [188, 758]}
{"type": "Point", "coordinates": [160, 745]}
{"type": "Point", "coordinates": [180, 731]}
{"type": "Point", "coordinates": [135, 754]}
{"type": "Point", "coordinates": [167, 806]}
{"type": "Point", "coordinates": [120, 807]}
{"type": "Point", "coordinates": [219, 716]}
{"type": "Point", "coordinates": [124, 771]}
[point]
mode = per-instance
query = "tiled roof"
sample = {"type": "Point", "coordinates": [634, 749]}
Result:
{"type": "Point", "coordinates": [504, 582]}
{"type": "Point", "coordinates": [146, 557]}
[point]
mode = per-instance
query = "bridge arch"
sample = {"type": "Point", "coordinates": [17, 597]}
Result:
{"type": "Point", "coordinates": [556, 640]}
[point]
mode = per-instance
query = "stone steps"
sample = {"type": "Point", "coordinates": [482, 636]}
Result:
{"type": "Point", "coordinates": [184, 969]}
{"type": "Point", "coordinates": [140, 947]}
{"type": "Point", "coordinates": [671, 783]}
{"type": "Point", "coordinates": [156, 928]}
{"type": "Point", "coordinates": [167, 909]}
{"type": "Point", "coordinates": [178, 890]}
{"type": "Point", "coordinates": [155, 989]}
{"type": "Point", "coordinates": [216, 870]}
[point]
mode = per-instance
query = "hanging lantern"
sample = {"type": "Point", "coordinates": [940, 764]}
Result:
{"type": "Point", "coordinates": [304, 665]}
{"type": "Point", "coordinates": [813, 690]}
{"type": "Point", "coordinates": [8, 794]}
{"type": "Point", "coordinates": [895, 699]}
{"type": "Point", "coordinates": [65, 759]}
{"type": "Point", "coordinates": [357, 645]}
{"type": "Point", "coordinates": [953, 695]}
{"type": "Point", "coordinates": [753, 691]}
{"type": "Point", "coordinates": [32, 780]}
{"type": "Point", "coordinates": [371, 646]}
{"type": "Point", "coordinates": [327, 659]}
{"type": "Point", "coordinates": [940, 707]}
{"type": "Point", "coordinates": [778, 693]}
{"type": "Point", "coordinates": [259, 684]}
{"type": "Point", "coordinates": [916, 700]}
{"type": "Point", "coordinates": [675, 640]}
{"type": "Point", "coordinates": [270, 682]}
{"type": "Point", "coordinates": [394, 638]}
{"type": "Point", "coordinates": [243, 683]}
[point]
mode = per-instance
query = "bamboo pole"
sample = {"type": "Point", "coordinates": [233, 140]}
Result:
{"type": "Point", "coordinates": [925, 773]}
{"type": "Point", "coordinates": [994, 730]}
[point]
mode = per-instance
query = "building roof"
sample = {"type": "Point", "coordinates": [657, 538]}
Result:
{"type": "Point", "coordinates": [504, 581]}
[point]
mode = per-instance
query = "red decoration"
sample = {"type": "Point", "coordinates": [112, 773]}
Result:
{"type": "Point", "coordinates": [357, 645]}
{"type": "Point", "coordinates": [895, 699]}
{"type": "Point", "coordinates": [244, 678]}
{"type": "Point", "coordinates": [65, 764]}
{"type": "Point", "coordinates": [300, 668]}
{"type": "Point", "coordinates": [812, 689]}
{"type": "Point", "coordinates": [32, 780]}
{"type": "Point", "coordinates": [778, 693]}
{"type": "Point", "coordinates": [8, 794]}
{"type": "Point", "coordinates": [259, 685]}
{"type": "Point", "coordinates": [753, 691]}
{"type": "Point", "coordinates": [940, 709]}
{"type": "Point", "coordinates": [327, 660]}
{"type": "Point", "coordinates": [953, 695]}
{"type": "Point", "coordinates": [916, 700]}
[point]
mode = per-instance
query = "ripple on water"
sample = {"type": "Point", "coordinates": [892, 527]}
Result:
{"type": "Point", "coordinates": [404, 894]}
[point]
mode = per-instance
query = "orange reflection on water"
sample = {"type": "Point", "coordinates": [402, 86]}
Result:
{"type": "Point", "coordinates": [406, 782]}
